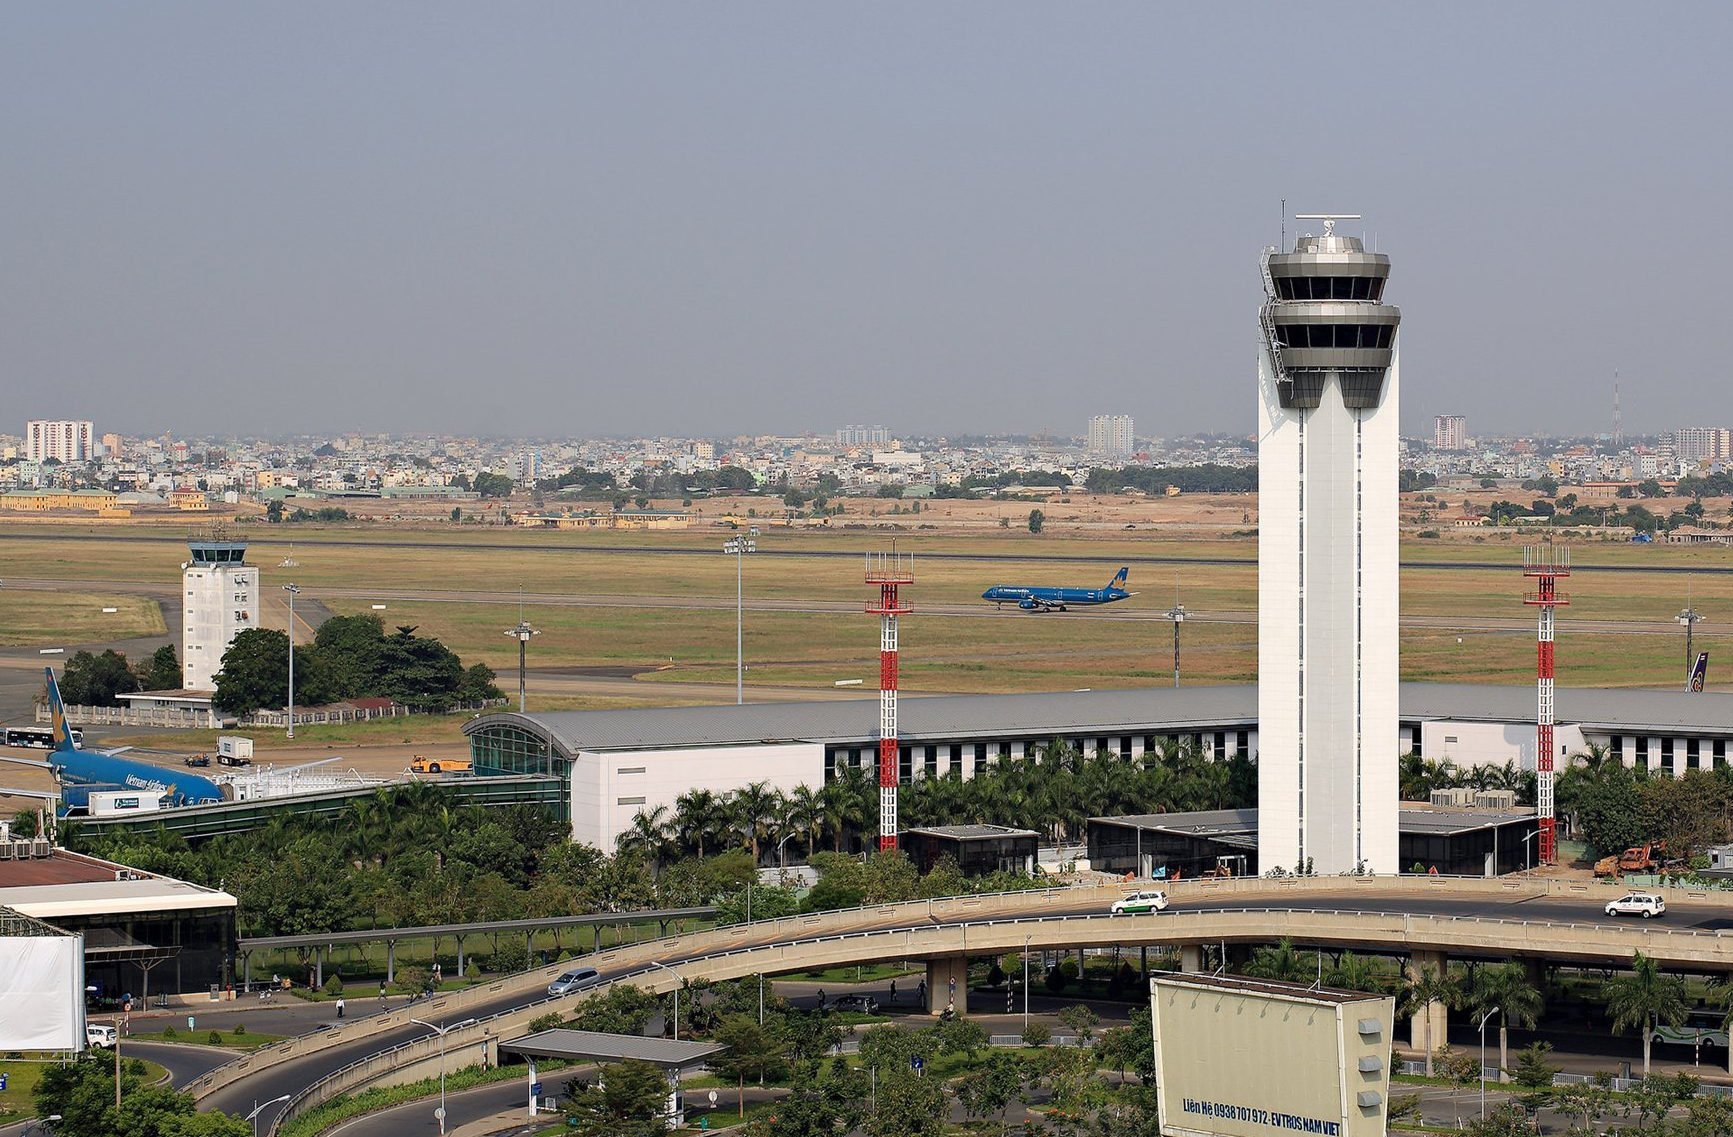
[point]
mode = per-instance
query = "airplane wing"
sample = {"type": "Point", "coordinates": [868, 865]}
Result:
{"type": "Point", "coordinates": [4, 792]}
{"type": "Point", "coordinates": [32, 763]}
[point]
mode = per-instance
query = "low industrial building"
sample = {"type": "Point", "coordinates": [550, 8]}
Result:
{"type": "Point", "coordinates": [1448, 840]}
{"type": "Point", "coordinates": [143, 933]}
{"type": "Point", "coordinates": [978, 850]}
{"type": "Point", "coordinates": [617, 763]}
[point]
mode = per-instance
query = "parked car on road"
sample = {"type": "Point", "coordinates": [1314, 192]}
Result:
{"type": "Point", "coordinates": [1644, 904]}
{"type": "Point", "coordinates": [858, 1004]}
{"type": "Point", "coordinates": [1149, 900]}
{"type": "Point", "coordinates": [95, 1035]}
{"type": "Point", "coordinates": [574, 980]}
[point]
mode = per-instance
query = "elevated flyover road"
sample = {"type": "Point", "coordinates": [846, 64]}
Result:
{"type": "Point", "coordinates": [1563, 921]}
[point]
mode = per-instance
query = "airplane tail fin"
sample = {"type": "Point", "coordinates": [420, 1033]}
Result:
{"type": "Point", "coordinates": [57, 714]}
{"type": "Point", "coordinates": [1120, 577]}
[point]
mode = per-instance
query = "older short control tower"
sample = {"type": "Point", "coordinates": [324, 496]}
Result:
{"type": "Point", "coordinates": [1327, 558]}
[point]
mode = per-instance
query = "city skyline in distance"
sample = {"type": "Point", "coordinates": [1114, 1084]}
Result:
{"type": "Point", "coordinates": [808, 217]}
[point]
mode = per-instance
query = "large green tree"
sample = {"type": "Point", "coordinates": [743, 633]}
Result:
{"type": "Point", "coordinates": [96, 680]}
{"type": "Point", "coordinates": [82, 1093]}
{"type": "Point", "coordinates": [255, 672]}
{"type": "Point", "coordinates": [632, 1101]}
{"type": "Point", "coordinates": [753, 1052]}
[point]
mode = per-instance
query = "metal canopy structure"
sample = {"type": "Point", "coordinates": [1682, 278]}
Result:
{"type": "Point", "coordinates": [595, 1046]}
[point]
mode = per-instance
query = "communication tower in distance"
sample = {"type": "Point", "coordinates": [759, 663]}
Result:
{"type": "Point", "coordinates": [889, 572]}
{"type": "Point", "coordinates": [1545, 564]}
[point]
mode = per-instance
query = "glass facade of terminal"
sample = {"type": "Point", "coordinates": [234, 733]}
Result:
{"type": "Point", "coordinates": [505, 749]}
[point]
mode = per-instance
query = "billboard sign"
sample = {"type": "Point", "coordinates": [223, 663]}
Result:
{"type": "Point", "coordinates": [1250, 1058]}
{"type": "Point", "coordinates": [41, 992]}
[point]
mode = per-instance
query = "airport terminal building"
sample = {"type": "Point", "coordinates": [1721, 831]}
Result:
{"type": "Point", "coordinates": [617, 763]}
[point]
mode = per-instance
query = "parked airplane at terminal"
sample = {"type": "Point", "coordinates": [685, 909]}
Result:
{"type": "Point", "coordinates": [1042, 599]}
{"type": "Point", "coordinates": [81, 771]}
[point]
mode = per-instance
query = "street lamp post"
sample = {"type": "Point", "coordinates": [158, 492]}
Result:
{"type": "Point", "coordinates": [740, 546]}
{"type": "Point", "coordinates": [1483, 1019]}
{"type": "Point", "coordinates": [522, 634]}
{"type": "Point", "coordinates": [442, 1031]}
{"type": "Point", "coordinates": [293, 590]}
{"type": "Point", "coordinates": [259, 1108]}
{"type": "Point", "coordinates": [1527, 849]}
{"type": "Point", "coordinates": [1025, 984]}
{"type": "Point", "coordinates": [1689, 618]}
{"type": "Point", "coordinates": [678, 983]}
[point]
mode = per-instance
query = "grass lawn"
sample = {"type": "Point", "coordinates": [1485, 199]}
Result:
{"type": "Point", "coordinates": [247, 1041]}
{"type": "Point", "coordinates": [55, 619]}
{"type": "Point", "coordinates": [867, 973]}
{"type": "Point", "coordinates": [476, 573]}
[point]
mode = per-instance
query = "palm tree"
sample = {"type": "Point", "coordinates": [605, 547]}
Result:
{"type": "Point", "coordinates": [806, 814]}
{"type": "Point", "coordinates": [1354, 973]}
{"type": "Point", "coordinates": [843, 801]}
{"type": "Point", "coordinates": [696, 813]}
{"type": "Point", "coordinates": [1506, 988]}
{"type": "Point", "coordinates": [754, 808]}
{"type": "Point", "coordinates": [1643, 997]}
{"type": "Point", "coordinates": [1281, 962]}
{"type": "Point", "coordinates": [1426, 988]}
{"type": "Point", "coordinates": [651, 833]}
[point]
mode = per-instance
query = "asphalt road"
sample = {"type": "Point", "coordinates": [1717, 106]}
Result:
{"type": "Point", "coordinates": [289, 1077]}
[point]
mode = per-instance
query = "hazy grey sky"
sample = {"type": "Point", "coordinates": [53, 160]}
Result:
{"type": "Point", "coordinates": [587, 218]}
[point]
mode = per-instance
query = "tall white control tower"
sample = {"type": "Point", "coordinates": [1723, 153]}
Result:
{"type": "Point", "coordinates": [1327, 559]}
{"type": "Point", "coordinates": [220, 600]}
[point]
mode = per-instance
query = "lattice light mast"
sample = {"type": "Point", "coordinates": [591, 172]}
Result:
{"type": "Point", "coordinates": [1545, 564]}
{"type": "Point", "coordinates": [889, 572]}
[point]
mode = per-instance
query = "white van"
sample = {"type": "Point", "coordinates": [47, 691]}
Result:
{"type": "Point", "coordinates": [97, 1035]}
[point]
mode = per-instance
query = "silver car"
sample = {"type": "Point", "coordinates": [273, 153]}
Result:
{"type": "Point", "coordinates": [575, 980]}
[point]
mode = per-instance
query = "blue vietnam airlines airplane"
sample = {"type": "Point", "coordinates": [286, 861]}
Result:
{"type": "Point", "coordinates": [80, 771]}
{"type": "Point", "coordinates": [1058, 599]}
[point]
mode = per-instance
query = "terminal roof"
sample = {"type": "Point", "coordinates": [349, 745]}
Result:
{"type": "Point", "coordinates": [1107, 712]}
{"type": "Point", "coordinates": [595, 1046]}
{"type": "Point", "coordinates": [1237, 984]}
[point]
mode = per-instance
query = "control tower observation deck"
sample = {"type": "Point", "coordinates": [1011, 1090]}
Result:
{"type": "Point", "coordinates": [220, 600]}
{"type": "Point", "coordinates": [1328, 380]}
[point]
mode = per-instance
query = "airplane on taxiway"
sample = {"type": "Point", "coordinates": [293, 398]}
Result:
{"type": "Point", "coordinates": [1045, 599]}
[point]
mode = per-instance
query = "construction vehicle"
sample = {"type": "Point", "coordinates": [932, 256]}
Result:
{"type": "Point", "coordinates": [1637, 858]}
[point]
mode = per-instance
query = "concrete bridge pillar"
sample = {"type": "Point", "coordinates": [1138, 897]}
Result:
{"type": "Point", "coordinates": [948, 984]}
{"type": "Point", "coordinates": [319, 968]}
{"type": "Point", "coordinates": [390, 961]}
{"type": "Point", "coordinates": [1418, 963]}
{"type": "Point", "coordinates": [1191, 958]}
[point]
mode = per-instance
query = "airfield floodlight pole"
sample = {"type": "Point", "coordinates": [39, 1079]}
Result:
{"type": "Point", "coordinates": [522, 634]}
{"type": "Point", "coordinates": [740, 546]}
{"type": "Point", "coordinates": [293, 590]}
{"type": "Point", "coordinates": [442, 1031]}
{"type": "Point", "coordinates": [1177, 614]}
{"type": "Point", "coordinates": [1688, 618]}
{"type": "Point", "coordinates": [1545, 564]}
{"type": "Point", "coordinates": [889, 572]}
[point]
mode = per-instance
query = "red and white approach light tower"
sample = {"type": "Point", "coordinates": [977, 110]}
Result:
{"type": "Point", "coordinates": [1545, 564]}
{"type": "Point", "coordinates": [889, 572]}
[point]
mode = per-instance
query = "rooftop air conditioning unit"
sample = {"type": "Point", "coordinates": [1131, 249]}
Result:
{"type": "Point", "coordinates": [5, 850]}
{"type": "Point", "coordinates": [41, 848]}
{"type": "Point", "coordinates": [1496, 799]}
{"type": "Point", "coordinates": [1454, 798]}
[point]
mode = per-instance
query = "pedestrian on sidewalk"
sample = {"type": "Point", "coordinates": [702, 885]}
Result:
{"type": "Point", "coordinates": [339, 1006]}
{"type": "Point", "coordinates": [893, 997]}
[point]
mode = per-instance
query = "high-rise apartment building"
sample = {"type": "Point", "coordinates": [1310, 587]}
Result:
{"type": "Point", "coordinates": [1328, 380]}
{"type": "Point", "coordinates": [863, 436]}
{"type": "Point", "coordinates": [220, 600]}
{"type": "Point", "coordinates": [1450, 432]}
{"type": "Point", "coordinates": [1111, 435]}
{"type": "Point", "coordinates": [67, 440]}
{"type": "Point", "coordinates": [1703, 444]}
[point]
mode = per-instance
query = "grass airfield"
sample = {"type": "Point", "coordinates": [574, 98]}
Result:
{"type": "Point", "coordinates": [660, 605]}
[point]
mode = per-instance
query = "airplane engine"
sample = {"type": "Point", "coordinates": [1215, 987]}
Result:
{"type": "Point", "coordinates": [1026, 604]}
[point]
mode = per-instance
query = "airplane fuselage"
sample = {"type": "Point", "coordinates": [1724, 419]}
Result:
{"type": "Point", "coordinates": [1038, 599]}
{"type": "Point", "coordinates": [100, 771]}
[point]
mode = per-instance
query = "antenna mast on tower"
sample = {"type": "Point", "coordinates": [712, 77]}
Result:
{"type": "Point", "coordinates": [1545, 564]}
{"type": "Point", "coordinates": [1618, 415]}
{"type": "Point", "coordinates": [888, 571]}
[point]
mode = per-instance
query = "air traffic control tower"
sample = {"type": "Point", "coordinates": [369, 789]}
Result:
{"type": "Point", "coordinates": [1327, 558]}
{"type": "Point", "coordinates": [221, 600]}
